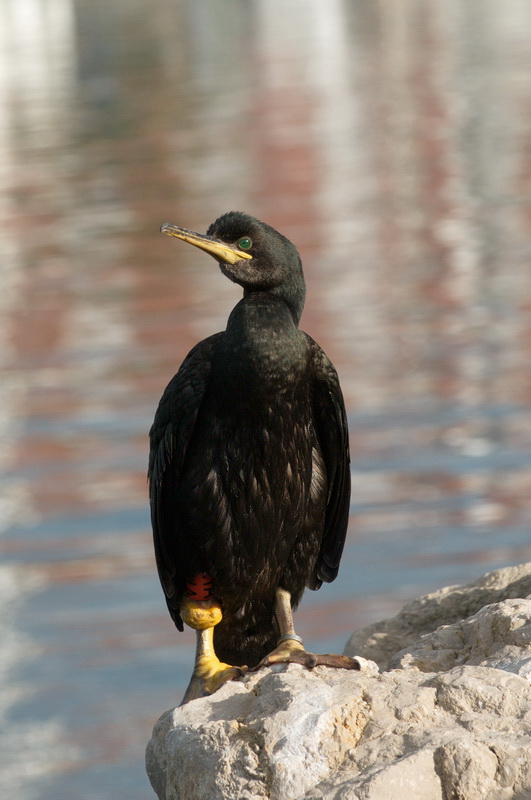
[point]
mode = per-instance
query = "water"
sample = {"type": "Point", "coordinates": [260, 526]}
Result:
{"type": "Point", "coordinates": [390, 142]}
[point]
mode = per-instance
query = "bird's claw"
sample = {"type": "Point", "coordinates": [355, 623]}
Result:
{"type": "Point", "coordinates": [225, 674]}
{"type": "Point", "coordinates": [208, 678]}
{"type": "Point", "coordinates": [292, 651]}
{"type": "Point", "coordinates": [337, 661]}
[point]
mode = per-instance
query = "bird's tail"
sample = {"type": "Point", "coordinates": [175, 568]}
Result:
{"type": "Point", "coordinates": [247, 637]}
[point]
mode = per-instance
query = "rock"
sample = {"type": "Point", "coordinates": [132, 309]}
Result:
{"type": "Point", "coordinates": [259, 739]}
{"type": "Point", "coordinates": [380, 641]}
{"type": "Point", "coordinates": [450, 719]}
{"type": "Point", "coordinates": [497, 636]}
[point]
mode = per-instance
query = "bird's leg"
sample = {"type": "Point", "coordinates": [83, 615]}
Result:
{"type": "Point", "coordinates": [209, 672]}
{"type": "Point", "coordinates": [290, 647]}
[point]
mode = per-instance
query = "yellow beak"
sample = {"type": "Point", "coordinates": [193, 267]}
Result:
{"type": "Point", "coordinates": [222, 251]}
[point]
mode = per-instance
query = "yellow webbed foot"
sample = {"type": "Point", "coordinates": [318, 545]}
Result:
{"type": "Point", "coordinates": [209, 672]}
{"type": "Point", "coordinates": [209, 675]}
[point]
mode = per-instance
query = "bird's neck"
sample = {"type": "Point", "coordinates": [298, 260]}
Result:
{"type": "Point", "coordinates": [260, 314]}
{"type": "Point", "coordinates": [291, 295]}
{"type": "Point", "coordinates": [263, 338]}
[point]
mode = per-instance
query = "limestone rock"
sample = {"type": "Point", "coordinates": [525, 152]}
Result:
{"type": "Point", "coordinates": [451, 719]}
{"type": "Point", "coordinates": [497, 636]}
{"type": "Point", "coordinates": [380, 641]}
{"type": "Point", "coordinates": [275, 735]}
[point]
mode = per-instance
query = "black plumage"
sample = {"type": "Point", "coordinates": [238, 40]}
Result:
{"type": "Point", "coordinates": [249, 462]}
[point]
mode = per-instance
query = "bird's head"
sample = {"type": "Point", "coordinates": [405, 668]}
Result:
{"type": "Point", "coordinates": [252, 254]}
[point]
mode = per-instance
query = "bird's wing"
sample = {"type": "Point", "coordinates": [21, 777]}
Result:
{"type": "Point", "coordinates": [332, 433]}
{"type": "Point", "coordinates": [169, 436]}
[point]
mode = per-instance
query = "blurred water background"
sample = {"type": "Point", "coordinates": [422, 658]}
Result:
{"type": "Point", "coordinates": [391, 142]}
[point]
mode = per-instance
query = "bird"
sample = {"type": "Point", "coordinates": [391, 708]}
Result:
{"type": "Point", "coordinates": [249, 466]}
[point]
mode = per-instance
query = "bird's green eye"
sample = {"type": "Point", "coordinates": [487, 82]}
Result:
{"type": "Point", "coordinates": [245, 243]}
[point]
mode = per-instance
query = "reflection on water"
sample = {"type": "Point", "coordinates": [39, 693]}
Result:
{"type": "Point", "coordinates": [390, 142]}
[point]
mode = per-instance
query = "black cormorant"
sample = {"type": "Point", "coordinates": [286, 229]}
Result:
{"type": "Point", "coordinates": [249, 465]}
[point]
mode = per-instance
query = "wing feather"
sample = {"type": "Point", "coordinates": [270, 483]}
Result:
{"type": "Point", "coordinates": [170, 436]}
{"type": "Point", "coordinates": [332, 433]}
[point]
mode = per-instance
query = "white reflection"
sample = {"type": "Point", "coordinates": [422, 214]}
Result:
{"type": "Point", "coordinates": [37, 62]}
{"type": "Point", "coordinates": [36, 73]}
{"type": "Point", "coordinates": [28, 751]}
